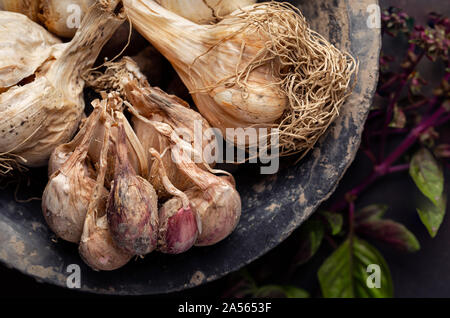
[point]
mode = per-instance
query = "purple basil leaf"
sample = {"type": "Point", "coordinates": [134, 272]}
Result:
{"type": "Point", "coordinates": [388, 231]}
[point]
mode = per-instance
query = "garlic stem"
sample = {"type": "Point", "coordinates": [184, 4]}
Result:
{"type": "Point", "coordinates": [166, 181]}
{"type": "Point", "coordinates": [176, 31]}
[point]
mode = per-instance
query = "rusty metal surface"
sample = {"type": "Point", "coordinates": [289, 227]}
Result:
{"type": "Point", "coordinates": [273, 206]}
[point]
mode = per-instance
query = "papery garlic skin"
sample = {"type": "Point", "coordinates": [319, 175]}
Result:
{"type": "Point", "coordinates": [214, 200]}
{"type": "Point", "coordinates": [37, 117]}
{"type": "Point", "coordinates": [65, 202]}
{"type": "Point", "coordinates": [25, 47]}
{"type": "Point", "coordinates": [97, 247]}
{"type": "Point", "coordinates": [219, 209]}
{"type": "Point", "coordinates": [30, 8]}
{"type": "Point", "coordinates": [66, 197]}
{"type": "Point", "coordinates": [61, 17]}
{"type": "Point", "coordinates": [204, 11]}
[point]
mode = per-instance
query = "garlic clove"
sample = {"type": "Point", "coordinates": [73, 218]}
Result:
{"type": "Point", "coordinates": [179, 224]}
{"type": "Point", "coordinates": [98, 249]}
{"type": "Point", "coordinates": [178, 230]}
{"type": "Point", "coordinates": [132, 207]}
{"type": "Point", "coordinates": [219, 209]}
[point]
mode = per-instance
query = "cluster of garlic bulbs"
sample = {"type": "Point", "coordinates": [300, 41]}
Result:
{"type": "Point", "coordinates": [111, 191]}
{"type": "Point", "coordinates": [127, 183]}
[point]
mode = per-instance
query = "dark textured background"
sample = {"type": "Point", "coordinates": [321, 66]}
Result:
{"type": "Point", "coordinates": [424, 274]}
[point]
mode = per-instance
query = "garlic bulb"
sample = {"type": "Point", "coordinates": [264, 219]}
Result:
{"type": "Point", "coordinates": [67, 195]}
{"type": "Point", "coordinates": [214, 199]}
{"type": "Point", "coordinates": [260, 67]}
{"type": "Point", "coordinates": [132, 207]}
{"type": "Point", "coordinates": [25, 47]}
{"type": "Point", "coordinates": [204, 11]}
{"type": "Point", "coordinates": [97, 247]}
{"type": "Point", "coordinates": [63, 17]}
{"type": "Point", "coordinates": [30, 8]}
{"type": "Point", "coordinates": [46, 112]}
{"type": "Point", "coordinates": [179, 225]}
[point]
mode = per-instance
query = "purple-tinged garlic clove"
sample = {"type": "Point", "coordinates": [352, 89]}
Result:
{"type": "Point", "coordinates": [132, 207]}
{"type": "Point", "coordinates": [179, 227]}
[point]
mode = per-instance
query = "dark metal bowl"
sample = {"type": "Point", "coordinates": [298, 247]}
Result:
{"type": "Point", "coordinates": [273, 206]}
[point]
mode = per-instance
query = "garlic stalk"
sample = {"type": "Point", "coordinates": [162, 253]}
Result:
{"type": "Point", "coordinates": [261, 66]}
{"type": "Point", "coordinates": [97, 247]}
{"type": "Point", "coordinates": [132, 206]}
{"type": "Point", "coordinates": [38, 116]}
{"type": "Point", "coordinates": [136, 153]}
{"type": "Point", "coordinates": [204, 11]}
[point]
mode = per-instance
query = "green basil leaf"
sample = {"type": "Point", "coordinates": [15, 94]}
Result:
{"type": "Point", "coordinates": [311, 236]}
{"type": "Point", "coordinates": [427, 175]}
{"type": "Point", "coordinates": [432, 214]}
{"type": "Point", "coordinates": [345, 274]}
